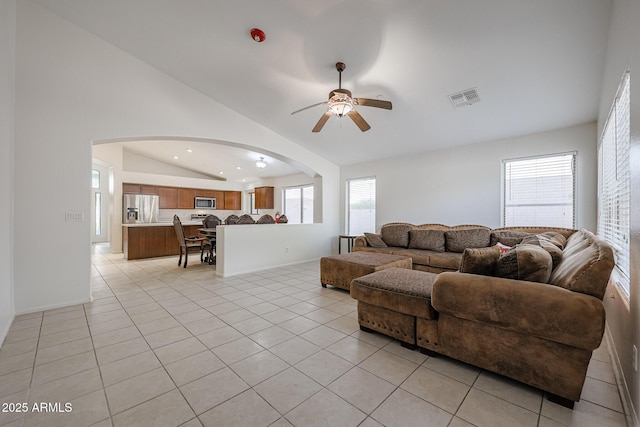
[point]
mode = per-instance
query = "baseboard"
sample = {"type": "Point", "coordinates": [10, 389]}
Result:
{"type": "Point", "coordinates": [53, 306]}
{"type": "Point", "coordinates": [623, 389]}
{"type": "Point", "coordinates": [271, 267]}
{"type": "Point", "coordinates": [5, 331]}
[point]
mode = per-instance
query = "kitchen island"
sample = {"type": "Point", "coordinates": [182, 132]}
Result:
{"type": "Point", "coordinates": [155, 239]}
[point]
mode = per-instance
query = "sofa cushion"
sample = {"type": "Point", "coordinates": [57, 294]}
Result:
{"type": "Point", "coordinates": [509, 238]}
{"type": "Point", "coordinates": [375, 240]}
{"type": "Point", "coordinates": [459, 240]}
{"type": "Point", "coordinates": [585, 270]}
{"type": "Point", "coordinates": [480, 260]}
{"type": "Point", "coordinates": [545, 243]}
{"type": "Point", "coordinates": [556, 238]}
{"type": "Point", "coordinates": [418, 256]}
{"type": "Point", "coordinates": [445, 260]}
{"type": "Point", "coordinates": [396, 235]}
{"type": "Point", "coordinates": [525, 262]}
{"type": "Point", "coordinates": [427, 239]}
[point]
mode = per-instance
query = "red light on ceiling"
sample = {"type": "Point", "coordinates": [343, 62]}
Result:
{"type": "Point", "coordinates": [258, 35]}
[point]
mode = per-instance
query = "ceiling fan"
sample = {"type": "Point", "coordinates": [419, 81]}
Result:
{"type": "Point", "coordinates": [341, 103]}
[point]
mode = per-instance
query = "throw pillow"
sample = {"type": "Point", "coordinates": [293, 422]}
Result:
{"type": "Point", "coordinates": [556, 238]}
{"type": "Point", "coordinates": [547, 245]}
{"type": "Point", "coordinates": [509, 238]}
{"type": "Point", "coordinates": [480, 260]}
{"type": "Point", "coordinates": [427, 239]}
{"type": "Point", "coordinates": [396, 235]}
{"type": "Point", "coordinates": [525, 262]}
{"type": "Point", "coordinates": [374, 240]}
{"type": "Point", "coordinates": [459, 240]}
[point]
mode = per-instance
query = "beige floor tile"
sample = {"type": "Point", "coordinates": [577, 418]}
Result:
{"type": "Point", "coordinates": [213, 389]}
{"type": "Point", "coordinates": [257, 368]}
{"type": "Point", "coordinates": [15, 382]}
{"type": "Point", "coordinates": [63, 367]}
{"type": "Point", "coordinates": [584, 414]}
{"type": "Point", "coordinates": [344, 324]}
{"type": "Point", "coordinates": [252, 325]}
{"type": "Point", "coordinates": [352, 349]}
{"type": "Point", "coordinates": [601, 371]}
{"type": "Point", "coordinates": [372, 338]}
{"type": "Point", "coordinates": [237, 350]}
{"type": "Point", "coordinates": [15, 415]}
{"type": "Point", "coordinates": [129, 393]}
{"type": "Point", "coordinates": [59, 317]}
{"type": "Point", "coordinates": [459, 422]}
{"type": "Point", "coordinates": [225, 307]}
{"type": "Point", "coordinates": [510, 390]}
{"type": "Point", "coordinates": [396, 348]}
{"type": "Point", "coordinates": [262, 308]}
{"type": "Point", "coordinates": [204, 325]}
{"type": "Point", "coordinates": [33, 322]}
{"type": "Point", "coordinates": [22, 334]}
{"type": "Point", "coordinates": [145, 307]}
{"type": "Point", "coordinates": [246, 409]}
{"type": "Point", "coordinates": [324, 367]}
{"type": "Point", "coordinates": [313, 413]}
{"type": "Point", "coordinates": [602, 393]}
{"type": "Point", "coordinates": [388, 366]}
{"type": "Point", "coordinates": [19, 347]}
{"type": "Point", "coordinates": [287, 389]}
{"type": "Point", "coordinates": [362, 389]}
{"type": "Point", "coordinates": [169, 409]}
{"type": "Point", "coordinates": [168, 336]}
{"type": "Point", "coordinates": [150, 316]}
{"type": "Point", "coordinates": [236, 316]}
{"type": "Point", "coordinates": [219, 336]}
{"type": "Point", "coordinates": [299, 325]}
{"type": "Point", "coordinates": [452, 368]}
{"type": "Point", "coordinates": [323, 336]}
{"type": "Point", "coordinates": [114, 337]}
{"type": "Point", "coordinates": [193, 367]}
{"type": "Point", "coordinates": [129, 367]}
{"type": "Point", "coordinates": [370, 422]}
{"type": "Point", "coordinates": [404, 409]}
{"type": "Point", "coordinates": [482, 409]}
{"type": "Point", "coordinates": [111, 325]}
{"type": "Point", "coordinates": [158, 325]}
{"type": "Point", "coordinates": [64, 325]}
{"type": "Point", "coordinates": [63, 337]}
{"type": "Point", "coordinates": [322, 315]}
{"type": "Point", "coordinates": [302, 307]}
{"type": "Point", "coordinates": [280, 316]}
{"type": "Point", "coordinates": [179, 350]}
{"type": "Point", "coordinates": [272, 336]}
{"type": "Point", "coordinates": [85, 410]}
{"type": "Point", "coordinates": [67, 388]}
{"type": "Point", "coordinates": [121, 350]}
{"type": "Point", "coordinates": [60, 351]}
{"type": "Point", "coordinates": [294, 350]}
{"type": "Point", "coordinates": [442, 391]}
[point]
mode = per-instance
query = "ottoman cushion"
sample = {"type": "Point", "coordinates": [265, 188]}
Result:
{"type": "Point", "coordinates": [397, 289]}
{"type": "Point", "coordinates": [340, 270]}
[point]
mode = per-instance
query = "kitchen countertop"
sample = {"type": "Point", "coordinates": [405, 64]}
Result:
{"type": "Point", "coordinates": [162, 224]}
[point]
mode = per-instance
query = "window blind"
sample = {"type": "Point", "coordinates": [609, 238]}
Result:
{"type": "Point", "coordinates": [539, 191]}
{"type": "Point", "coordinates": [361, 201]}
{"type": "Point", "coordinates": [614, 181]}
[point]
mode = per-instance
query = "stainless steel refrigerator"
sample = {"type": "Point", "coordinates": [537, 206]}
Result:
{"type": "Point", "coordinates": [140, 208]}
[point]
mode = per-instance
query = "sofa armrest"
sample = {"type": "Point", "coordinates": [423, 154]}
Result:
{"type": "Point", "coordinates": [360, 241]}
{"type": "Point", "coordinates": [538, 309]}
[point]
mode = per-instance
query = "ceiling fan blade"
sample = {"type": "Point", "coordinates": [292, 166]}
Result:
{"type": "Point", "coordinates": [366, 102]}
{"type": "Point", "coordinates": [358, 120]}
{"type": "Point", "coordinates": [322, 121]}
{"type": "Point", "coordinates": [310, 106]}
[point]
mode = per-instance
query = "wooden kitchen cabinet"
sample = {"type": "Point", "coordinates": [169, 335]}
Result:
{"type": "Point", "coordinates": [130, 188]}
{"type": "Point", "coordinates": [220, 200]}
{"type": "Point", "coordinates": [148, 189]}
{"type": "Point", "coordinates": [186, 198]}
{"type": "Point", "coordinates": [232, 200]}
{"type": "Point", "coordinates": [154, 241]}
{"type": "Point", "coordinates": [168, 197]}
{"type": "Point", "coordinates": [264, 197]}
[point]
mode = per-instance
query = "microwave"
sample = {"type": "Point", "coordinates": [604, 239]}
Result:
{"type": "Point", "coordinates": [205, 203]}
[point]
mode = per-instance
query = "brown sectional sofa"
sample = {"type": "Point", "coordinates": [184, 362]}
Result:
{"type": "Point", "coordinates": [541, 334]}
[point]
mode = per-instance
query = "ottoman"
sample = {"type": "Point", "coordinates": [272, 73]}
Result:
{"type": "Point", "coordinates": [340, 270]}
{"type": "Point", "coordinates": [390, 302]}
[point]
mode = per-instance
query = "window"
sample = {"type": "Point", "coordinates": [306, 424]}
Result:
{"type": "Point", "coordinates": [361, 201]}
{"type": "Point", "coordinates": [298, 204]}
{"type": "Point", "coordinates": [252, 203]}
{"type": "Point", "coordinates": [613, 182]}
{"type": "Point", "coordinates": [539, 191]}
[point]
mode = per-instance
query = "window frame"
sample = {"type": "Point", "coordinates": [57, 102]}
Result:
{"type": "Point", "coordinates": [503, 186]}
{"type": "Point", "coordinates": [284, 202]}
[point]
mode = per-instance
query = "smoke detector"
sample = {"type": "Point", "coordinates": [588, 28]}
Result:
{"type": "Point", "coordinates": [465, 97]}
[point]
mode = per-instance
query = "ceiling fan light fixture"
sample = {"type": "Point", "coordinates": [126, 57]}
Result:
{"type": "Point", "coordinates": [260, 163]}
{"type": "Point", "coordinates": [341, 104]}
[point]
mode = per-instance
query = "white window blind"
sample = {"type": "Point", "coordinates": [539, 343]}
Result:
{"type": "Point", "coordinates": [539, 191]}
{"type": "Point", "coordinates": [361, 201]}
{"type": "Point", "coordinates": [613, 182]}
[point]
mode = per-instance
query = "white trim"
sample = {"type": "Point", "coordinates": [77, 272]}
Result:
{"type": "Point", "coordinates": [54, 306]}
{"type": "Point", "coordinates": [623, 389]}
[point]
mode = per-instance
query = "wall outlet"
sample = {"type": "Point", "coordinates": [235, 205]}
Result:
{"type": "Point", "coordinates": [635, 358]}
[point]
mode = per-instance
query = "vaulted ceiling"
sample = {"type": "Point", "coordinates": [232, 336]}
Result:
{"type": "Point", "coordinates": [536, 64]}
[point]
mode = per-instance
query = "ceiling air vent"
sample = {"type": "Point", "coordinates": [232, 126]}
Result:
{"type": "Point", "coordinates": [465, 97]}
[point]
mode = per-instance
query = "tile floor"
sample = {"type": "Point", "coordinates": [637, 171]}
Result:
{"type": "Point", "coordinates": [167, 346]}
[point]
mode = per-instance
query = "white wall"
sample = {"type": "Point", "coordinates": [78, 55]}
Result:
{"type": "Point", "coordinates": [461, 185]}
{"type": "Point", "coordinates": [252, 247]}
{"type": "Point", "coordinates": [623, 317]}
{"type": "Point", "coordinates": [72, 89]}
{"type": "Point", "coordinates": [7, 67]}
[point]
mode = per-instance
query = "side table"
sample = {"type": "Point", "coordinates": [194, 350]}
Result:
{"type": "Point", "coordinates": [350, 240]}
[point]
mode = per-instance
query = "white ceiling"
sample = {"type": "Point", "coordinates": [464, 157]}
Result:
{"type": "Point", "coordinates": [536, 64]}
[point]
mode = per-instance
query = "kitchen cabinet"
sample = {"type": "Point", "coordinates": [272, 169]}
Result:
{"type": "Point", "coordinates": [153, 241]}
{"type": "Point", "coordinates": [220, 200]}
{"type": "Point", "coordinates": [186, 198]}
{"type": "Point", "coordinates": [129, 188]}
{"type": "Point", "coordinates": [232, 200]}
{"type": "Point", "coordinates": [168, 197]}
{"type": "Point", "coordinates": [264, 197]}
